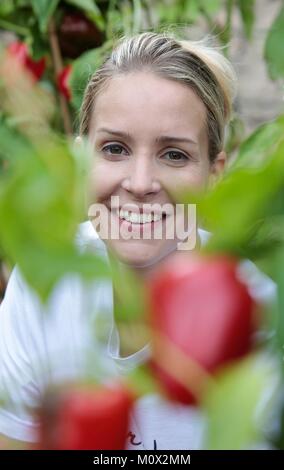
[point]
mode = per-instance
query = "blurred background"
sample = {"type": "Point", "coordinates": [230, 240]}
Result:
{"type": "Point", "coordinates": [82, 25]}
{"type": "Point", "coordinates": [49, 49]}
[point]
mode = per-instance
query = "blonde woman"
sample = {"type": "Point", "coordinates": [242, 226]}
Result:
{"type": "Point", "coordinates": [154, 115]}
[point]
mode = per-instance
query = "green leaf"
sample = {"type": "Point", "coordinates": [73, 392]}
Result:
{"type": "Point", "coordinates": [6, 7]}
{"type": "Point", "coordinates": [279, 316]}
{"type": "Point", "coordinates": [15, 28]}
{"type": "Point", "coordinates": [273, 50]}
{"type": "Point", "coordinates": [88, 5]}
{"type": "Point", "coordinates": [243, 197]}
{"type": "Point", "coordinates": [130, 294]}
{"type": "Point", "coordinates": [246, 8]}
{"type": "Point", "coordinates": [192, 10]}
{"type": "Point", "coordinates": [82, 70]}
{"type": "Point", "coordinates": [255, 150]}
{"type": "Point", "coordinates": [42, 190]}
{"type": "Point", "coordinates": [39, 45]}
{"type": "Point", "coordinates": [142, 381]}
{"type": "Point", "coordinates": [41, 203]}
{"type": "Point", "coordinates": [44, 9]}
{"type": "Point", "coordinates": [211, 6]}
{"type": "Point", "coordinates": [236, 411]}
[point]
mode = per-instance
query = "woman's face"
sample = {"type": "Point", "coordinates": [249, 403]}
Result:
{"type": "Point", "coordinates": [149, 138]}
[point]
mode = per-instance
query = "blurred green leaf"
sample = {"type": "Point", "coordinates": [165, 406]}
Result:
{"type": "Point", "coordinates": [130, 294]}
{"type": "Point", "coordinates": [236, 416]}
{"type": "Point", "coordinates": [235, 134]}
{"type": "Point", "coordinates": [142, 381]}
{"type": "Point", "coordinates": [41, 201]}
{"type": "Point", "coordinates": [192, 10]}
{"type": "Point", "coordinates": [6, 7]}
{"type": "Point", "coordinates": [273, 49]}
{"type": "Point", "coordinates": [255, 150]}
{"type": "Point", "coordinates": [88, 5]}
{"type": "Point", "coordinates": [279, 320]}
{"type": "Point", "coordinates": [238, 202]}
{"type": "Point", "coordinates": [211, 6]}
{"type": "Point", "coordinates": [82, 70]}
{"type": "Point", "coordinates": [246, 8]}
{"type": "Point", "coordinates": [44, 9]}
{"type": "Point", "coordinates": [14, 27]}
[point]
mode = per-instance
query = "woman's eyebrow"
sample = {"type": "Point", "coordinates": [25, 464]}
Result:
{"type": "Point", "coordinates": [161, 138]}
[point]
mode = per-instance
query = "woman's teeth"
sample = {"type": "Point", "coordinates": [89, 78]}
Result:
{"type": "Point", "coordinates": [135, 218]}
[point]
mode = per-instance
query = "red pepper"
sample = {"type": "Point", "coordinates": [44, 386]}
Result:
{"type": "Point", "coordinates": [86, 418]}
{"type": "Point", "coordinates": [202, 316]}
{"type": "Point", "coordinates": [63, 82]}
{"type": "Point", "coordinates": [20, 50]}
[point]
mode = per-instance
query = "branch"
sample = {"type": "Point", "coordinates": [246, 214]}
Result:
{"type": "Point", "coordinates": [58, 66]}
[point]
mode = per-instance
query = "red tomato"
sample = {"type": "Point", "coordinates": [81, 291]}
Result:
{"type": "Point", "coordinates": [86, 418]}
{"type": "Point", "coordinates": [202, 316]}
{"type": "Point", "coordinates": [20, 50]}
{"type": "Point", "coordinates": [63, 82]}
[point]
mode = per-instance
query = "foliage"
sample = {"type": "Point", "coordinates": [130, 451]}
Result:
{"type": "Point", "coordinates": [42, 175]}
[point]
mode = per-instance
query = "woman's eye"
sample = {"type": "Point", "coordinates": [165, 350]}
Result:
{"type": "Point", "coordinates": [113, 149]}
{"type": "Point", "coordinates": [176, 157]}
{"type": "Point", "coordinates": [172, 156]}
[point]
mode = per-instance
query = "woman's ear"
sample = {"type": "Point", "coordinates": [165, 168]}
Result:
{"type": "Point", "coordinates": [217, 168]}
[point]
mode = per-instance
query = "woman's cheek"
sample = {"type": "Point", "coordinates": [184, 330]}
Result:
{"type": "Point", "coordinates": [194, 180]}
{"type": "Point", "coordinates": [99, 182]}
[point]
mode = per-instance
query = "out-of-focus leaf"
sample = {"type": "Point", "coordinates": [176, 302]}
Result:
{"type": "Point", "coordinates": [273, 49]}
{"type": "Point", "coordinates": [6, 7]}
{"type": "Point", "coordinates": [82, 70]}
{"type": "Point", "coordinates": [91, 10]}
{"type": "Point", "coordinates": [239, 403]}
{"type": "Point", "coordinates": [211, 6]}
{"type": "Point", "coordinates": [238, 202]}
{"type": "Point", "coordinates": [40, 206]}
{"type": "Point", "coordinates": [279, 320]}
{"type": "Point", "coordinates": [192, 10]}
{"type": "Point", "coordinates": [130, 295]}
{"type": "Point", "coordinates": [44, 9]}
{"type": "Point", "coordinates": [142, 381]}
{"type": "Point", "coordinates": [235, 135]}
{"type": "Point", "coordinates": [255, 150]}
{"type": "Point", "coordinates": [88, 5]}
{"type": "Point", "coordinates": [39, 45]}
{"type": "Point", "coordinates": [172, 13]}
{"type": "Point", "coordinates": [42, 188]}
{"type": "Point", "coordinates": [24, 101]}
{"type": "Point", "coordinates": [246, 8]}
{"type": "Point", "coordinates": [14, 27]}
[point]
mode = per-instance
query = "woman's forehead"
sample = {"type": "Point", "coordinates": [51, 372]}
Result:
{"type": "Point", "coordinates": [145, 101]}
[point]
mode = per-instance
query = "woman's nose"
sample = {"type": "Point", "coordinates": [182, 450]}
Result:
{"type": "Point", "coordinates": [140, 179]}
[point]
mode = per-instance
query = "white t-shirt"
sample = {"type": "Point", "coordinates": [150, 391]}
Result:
{"type": "Point", "coordinates": [40, 345]}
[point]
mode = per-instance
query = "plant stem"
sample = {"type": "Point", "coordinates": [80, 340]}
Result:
{"type": "Point", "coordinates": [58, 66]}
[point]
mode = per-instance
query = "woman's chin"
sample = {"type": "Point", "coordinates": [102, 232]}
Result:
{"type": "Point", "coordinates": [140, 256]}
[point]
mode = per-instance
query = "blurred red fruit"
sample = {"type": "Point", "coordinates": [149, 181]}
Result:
{"type": "Point", "coordinates": [19, 50]}
{"type": "Point", "coordinates": [77, 34]}
{"type": "Point", "coordinates": [63, 82]}
{"type": "Point", "coordinates": [202, 316]}
{"type": "Point", "coordinates": [85, 418]}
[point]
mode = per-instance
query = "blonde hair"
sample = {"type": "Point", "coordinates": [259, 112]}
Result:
{"type": "Point", "coordinates": [195, 63]}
